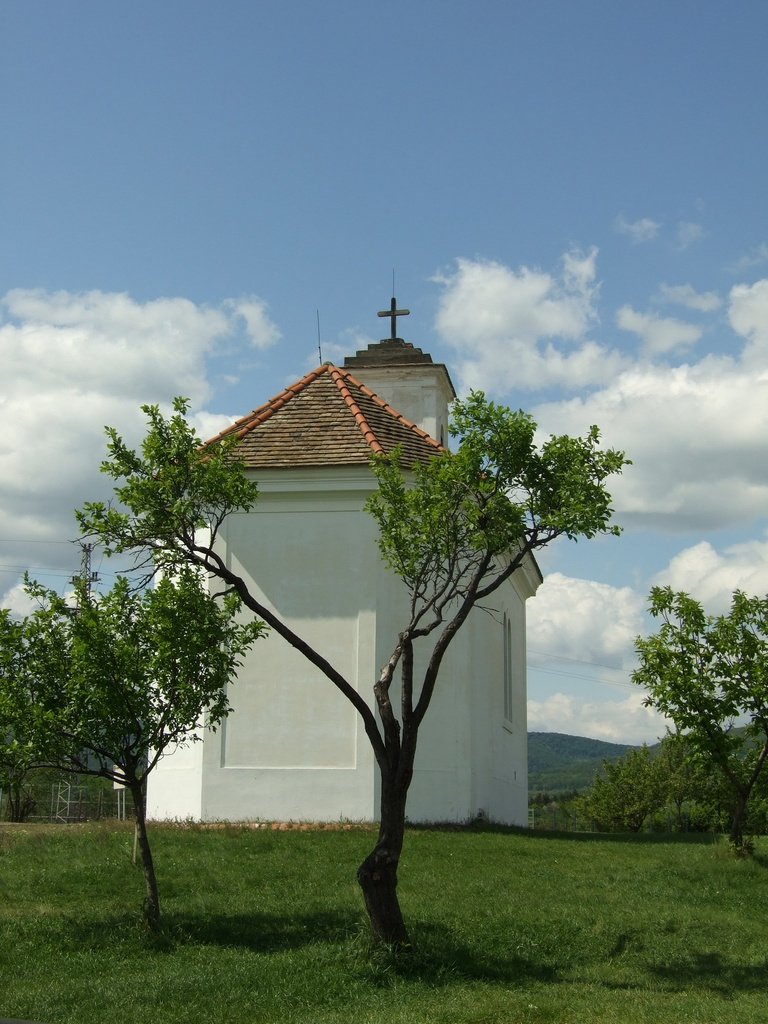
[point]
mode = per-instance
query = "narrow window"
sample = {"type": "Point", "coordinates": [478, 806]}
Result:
{"type": "Point", "coordinates": [508, 676]}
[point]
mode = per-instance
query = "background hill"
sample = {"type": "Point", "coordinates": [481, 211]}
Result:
{"type": "Point", "coordinates": [561, 763]}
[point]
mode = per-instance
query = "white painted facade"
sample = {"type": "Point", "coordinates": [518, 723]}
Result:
{"type": "Point", "coordinates": [294, 748]}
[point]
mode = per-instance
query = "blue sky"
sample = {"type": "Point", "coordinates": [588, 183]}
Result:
{"type": "Point", "coordinates": [572, 198]}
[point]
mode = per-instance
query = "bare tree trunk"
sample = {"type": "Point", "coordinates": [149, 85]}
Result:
{"type": "Point", "coordinates": [377, 874]}
{"type": "Point", "coordinates": [737, 822]}
{"type": "Point", "coordinates": [153, 900]}
{"type": "Point", "coordinates": [19, 804]}
{"type": "Point", "coordinates": [14, 802]}
{"type": "Point", "coordinates": [743, 792]}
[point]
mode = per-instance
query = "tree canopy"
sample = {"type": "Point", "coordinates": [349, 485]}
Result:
{"type": "Point", "coordinates": [709, 674]}
{"type": "Point", "coordinates": [631, 789]}
{"type": "Point", "coordinates": [456, 528]}
{"type": "Point", "coordinates": [18, 751]}
{"type": "Point", "coordinates": [106, 686]}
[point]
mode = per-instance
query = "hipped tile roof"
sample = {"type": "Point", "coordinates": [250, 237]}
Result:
{"type": "Point", "coordinates": [328, 418]}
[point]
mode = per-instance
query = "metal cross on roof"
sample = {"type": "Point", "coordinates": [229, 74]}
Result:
{"type": "Point", "coordinates": [394, 313]}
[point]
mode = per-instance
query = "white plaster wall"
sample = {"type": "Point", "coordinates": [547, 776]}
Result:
{"type": "Point", "coordinates": [499, 763]}
{"type": "Point", "coordinates": [294, 747]}
{"type": "Point", "coordinates": [467, 759]}
{"type": "Point", "coordinates": [174, 787]}
{"type": "Point", "coordinates": [291, 747]}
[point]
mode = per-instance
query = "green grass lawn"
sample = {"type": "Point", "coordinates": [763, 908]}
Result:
{"type": "Point", "coordinates": [269, 926]}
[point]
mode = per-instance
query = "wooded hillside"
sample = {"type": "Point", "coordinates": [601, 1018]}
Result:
{"type": "Point", "coordinates": [558, 762]}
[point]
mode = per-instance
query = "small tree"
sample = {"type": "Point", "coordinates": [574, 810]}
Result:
{"type": "Point", "coordinates": [632, 789]}
{"type": "Point", "coordinates": [682, 778]}
{"type": "Point", "coordinates": [107, 687]}
{"type": "Point", "coordinates": [17, 753]}
{"type": "Point", "coordinates": [454, 530]}
{"type": "Point", "coordinates": [708, 674]}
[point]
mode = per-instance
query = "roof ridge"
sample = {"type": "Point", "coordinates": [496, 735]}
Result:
{"type": "Point", "coordinates": [338, 377]}
{"type": "Point", "coordinates": [388, 408]}
{"type": "Point", "coordinates": [245, 424]}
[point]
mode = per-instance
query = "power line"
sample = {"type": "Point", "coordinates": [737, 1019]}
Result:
{"type": "Point", "coordinates": [576, 661]}
{"type": "Point", "coordinates": [625, 684]}
{"type": "Point", "coordinates": [20, 569]}
{"type": "Point", "coordinates": [583, 679]}
{"type": "Point", "coordinates": [30, 540]}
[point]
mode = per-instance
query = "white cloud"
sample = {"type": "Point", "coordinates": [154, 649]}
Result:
{"type": "Point", "coordinates": [107, 344]}
{"type": "Point", "coordinates": [619, 721]}
{"type": "Point", "coordinates": [18, 601]}
{"type": "Point", "coordinates": [642, 230]}
{"type": "Point", "coordinates": [524, 328]}
{"type": "Point", "coordinates": [585, 620]}
{"type": "Point", "coordinates": [688, 232]}
{"type": "Point", "coordinates": [712, 577]}
{"type": "Point", "coordinates": [208, 424]}
{"type": "Point", "coordinates": [331, 352]}
{"type": "Point", "coordinates": [71, 363]}
{"type": "Point", "coordinates": [748, 316]}
{"type": "Point", "coordinates": [659, 334]}
{"type": "Point", "coordinates": [697, 435]}
{"type": "Point", "coordinates": [485, 299]}
{"type": "Point", "coordinates": [752, 259]}
{"type": "Point", "coordinates": [261, 330]}
{"type": "Point", "coordinates": [686, 295]}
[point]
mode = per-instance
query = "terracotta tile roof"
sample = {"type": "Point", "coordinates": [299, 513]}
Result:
{"type": "Point", "coordinates": [328, 418]}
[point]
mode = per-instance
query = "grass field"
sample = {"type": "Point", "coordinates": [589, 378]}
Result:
{"type": "Point", "coordinates": [268, 926]}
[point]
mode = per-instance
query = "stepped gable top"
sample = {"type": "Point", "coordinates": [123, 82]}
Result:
{"type": "Point", "coordinates": [328, 418]}
{"type": "Point", "coordinates": [389, 354]}
{"type": "Point", "coordinates": [386, 352]}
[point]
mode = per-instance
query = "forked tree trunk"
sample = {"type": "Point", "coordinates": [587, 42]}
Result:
{"type": "Point", "coordinates": [743, 792]}
{"type": "Point", "coordinates": [153, 901]}
{"type": "Point", "coordinates": [377, 874]}
{"type": "Point", "coordinates": [737, 822]}
{"type": "Point", "coordinates": [20, 804]}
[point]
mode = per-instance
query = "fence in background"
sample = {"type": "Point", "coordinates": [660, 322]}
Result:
{"type": "Point", "coordinates": [69, 802]}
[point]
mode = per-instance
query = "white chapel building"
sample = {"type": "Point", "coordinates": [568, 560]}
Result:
{"type": "Point", "coordinates": [293, 748]}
